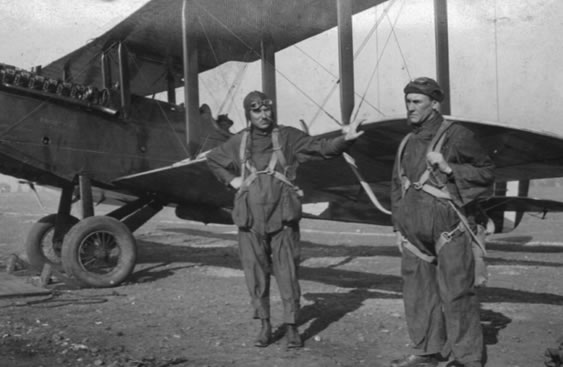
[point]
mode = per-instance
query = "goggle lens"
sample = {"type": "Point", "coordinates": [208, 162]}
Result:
{"type": "Point", "coordinates": [256, 105]}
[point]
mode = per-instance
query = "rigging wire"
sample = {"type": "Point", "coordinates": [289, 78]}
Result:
{"type": "Point", "coordinates": [394, 34]}
{"type": "Point", "coordinates": [229, 97]}
{"type": "Point", "coordinates": [143, 79]}
{"type": "Point", "coordinates": [337, 80]}
{"type": "Point", "coordinates": [235, 85]}
{"type": "Point", "coordinates": [496, 63]}
{"type": "Point", "coordinates": [300, 90]}
{"type": "Point", "coordinates": [378, 86]}
{"type": "Point", "coordinates": [358, 51]}
{"type": "Point", "coordinates": [234, 90]}
{"type": "Point", "coordinates": [183, 144]}
{"type": "Point", "coordinates": [223, 78]}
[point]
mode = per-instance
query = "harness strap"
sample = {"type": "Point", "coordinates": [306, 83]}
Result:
{"type": "Point", "coordinates": [440, 192]}
{"type": "Point", "coordinates": [438, 140]}
{"type": "Point", "coordinates": [400, 170]}
{"type": "Point", "coordinates": [436, 192]}
{"type": "Point", "coordinates": [277, 156]}
{"type": "Point", "coordinates": [412, 248]}
{"type": "Point", "coordinates": [434, 146]}
{"type": "Point", "coordinates": [463, 220]}
{"type": "Point", "coordinates": [242, 153]}
{"type": "Point", "coordinates": [277, 149]}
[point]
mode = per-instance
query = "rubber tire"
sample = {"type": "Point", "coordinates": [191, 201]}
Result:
{"type": "Point", "coordinates": [125, 242]}
{"type": "Point", "coordinates": [33, 243]}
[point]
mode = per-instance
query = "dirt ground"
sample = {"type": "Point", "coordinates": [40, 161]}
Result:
{"type": "Point", "coordinates": [186, 303]}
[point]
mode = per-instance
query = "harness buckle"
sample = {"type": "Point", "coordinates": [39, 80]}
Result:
{"type": "Point", "coordinates": [446, 236]}
{"type": "Point", "coordinates": [267, 171]}
{"type": "Point", "coordinates": [417, 185]}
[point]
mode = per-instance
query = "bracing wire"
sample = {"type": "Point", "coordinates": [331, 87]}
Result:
{"type": "Point", "coordinates": [337, 81]}
{"type": "Point", "coordinates": [380, 56]}
{"type": "Point", "coordinates": [227, 101]}
{"type": "Point", "coordinates": [223, 77]}
{"type": "Point", "coordinates": [358, 51]}
{"type": "Point", "coordinates": [496, 64]}
{"type": "Point", "coordinates": [168, 122]}
{"type": "Point", "coordinates": [300, 90]}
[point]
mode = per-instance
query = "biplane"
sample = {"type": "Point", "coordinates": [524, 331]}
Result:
{"type": "Point", "coordinates": [88, 123]}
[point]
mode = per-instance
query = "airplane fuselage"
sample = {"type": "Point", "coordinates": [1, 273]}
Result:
{"type": "Point", "coordinates": [52, 140]}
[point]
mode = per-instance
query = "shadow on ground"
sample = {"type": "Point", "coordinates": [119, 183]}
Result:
{"type": "Point", "coordinates": [365, 283]}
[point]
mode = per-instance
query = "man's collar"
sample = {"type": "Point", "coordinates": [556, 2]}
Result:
{"type": "Point", "coordinates": [430, 124]}
{"type": "Point", "coordinates": [260, 132]}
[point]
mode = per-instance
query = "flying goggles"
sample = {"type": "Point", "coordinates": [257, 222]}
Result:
{"type": "Point", "coordinates": [256, 105]}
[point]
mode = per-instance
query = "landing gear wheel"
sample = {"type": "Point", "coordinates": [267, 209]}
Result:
{"type": "Point", "coordinates": [40, 246]}
{"type": "Point", "coordinates": [99, 252]}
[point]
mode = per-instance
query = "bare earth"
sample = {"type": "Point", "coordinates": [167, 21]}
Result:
{"type": "Point", "coordinates": [186, 303]}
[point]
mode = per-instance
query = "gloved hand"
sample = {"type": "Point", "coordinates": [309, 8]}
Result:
{"type": "Point", "coordinates": [236, 182]}
{"type": "Point", "coordinates": [351, 131]}
{"type": "Point", "coordinates": [436, 159]}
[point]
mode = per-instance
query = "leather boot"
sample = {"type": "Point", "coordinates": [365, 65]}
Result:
{"type": "Point", "coordinates": [264, 337]}
{"type": "Point", "coordinates": [293, 338]}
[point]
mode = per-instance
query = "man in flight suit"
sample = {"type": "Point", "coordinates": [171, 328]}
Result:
{"type": "Point", "coordinates": [269, 239]}
{"type": "Point", "coordinates": [441, 307]}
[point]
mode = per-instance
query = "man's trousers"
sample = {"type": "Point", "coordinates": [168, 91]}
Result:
{"type": "Point", "coordinates": [442, 309]}
{"type": "Point", "coordinates": [274, 253]}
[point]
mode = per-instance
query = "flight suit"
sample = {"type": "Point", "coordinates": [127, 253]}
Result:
{"type": "Point", "coordinates": [270, 245]}
{"type": "Point", "coordinates": [441, 307]}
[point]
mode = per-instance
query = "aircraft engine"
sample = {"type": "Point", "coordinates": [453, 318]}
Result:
{"type": "Point", "coordinates": [36, 82]}
{"type": "Point", "coordinates": [50, 85]}
{"type": "Point", "coordinates": [16, 77]}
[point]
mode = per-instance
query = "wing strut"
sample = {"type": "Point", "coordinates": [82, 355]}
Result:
{"type": "Point", "coordinates": [171, 85]}
{"type": "Point", "coordinates": [346, 59]}
{"type": "Point", "coordinates": [124, 80]}
{"type": "Point", "coordinates": [106, 70]}
{"type": "Point", "coordinates": [191, 81]}
{"type": "Point", "coordinates": [269, 69]}
{"type": "Point", "coordinates": [442, 52]}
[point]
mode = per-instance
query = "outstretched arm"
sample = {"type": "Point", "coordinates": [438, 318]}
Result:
{"type": "Point", "coordinates": [351, 131]}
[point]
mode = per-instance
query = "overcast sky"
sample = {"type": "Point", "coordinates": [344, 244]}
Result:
{"type": "Point", "coordinates": [505, 58]}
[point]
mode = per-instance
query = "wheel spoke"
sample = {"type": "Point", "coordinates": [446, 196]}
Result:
{"type": "Point", "coordinates": [99, 252]}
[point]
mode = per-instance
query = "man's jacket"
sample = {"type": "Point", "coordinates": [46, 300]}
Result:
{"type": "Point", "coordinates": [264, 194]}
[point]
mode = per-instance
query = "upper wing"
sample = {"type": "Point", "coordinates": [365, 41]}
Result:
{"type": "Point", "coordinates": [517, 153]}
{"type": "Point", "coordinates": [225, 30]}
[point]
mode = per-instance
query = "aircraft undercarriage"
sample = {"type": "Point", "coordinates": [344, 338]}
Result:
{"type": "Point", "coordinates": [97, 251]}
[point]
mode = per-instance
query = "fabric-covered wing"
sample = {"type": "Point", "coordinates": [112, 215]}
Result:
{"type": "Point", "coordinates": [333, 192]}
{"type": "Point", "coordinates": [518, 155]}
{"type": "Point", "coordinates": [225, 30]}
{"type": "Point", "coordinates": [186, 183]}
